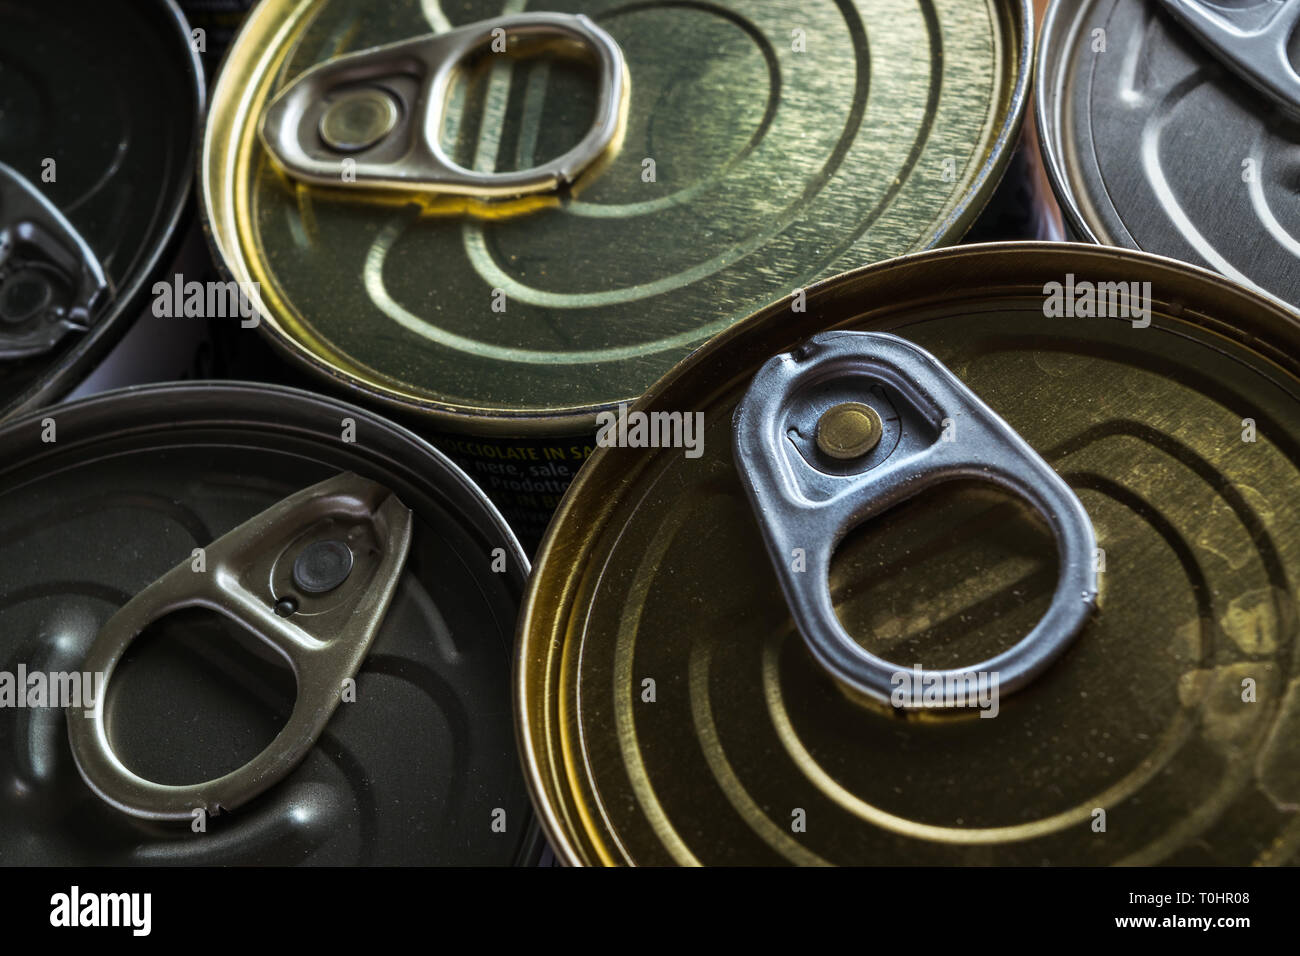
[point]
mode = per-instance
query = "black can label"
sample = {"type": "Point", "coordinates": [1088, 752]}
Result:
{"type": "Point", "coordinates": [525, 478]}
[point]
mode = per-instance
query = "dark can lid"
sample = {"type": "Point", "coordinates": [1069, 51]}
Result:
{"type": "Point", "coordinates": [99, 117]}
{"type": "Point", "coordinates": [103, 498]}
{"type": "Point", "coordinates": [1153, 142]}
{"type": "Point", "coordinates": [671, 711]}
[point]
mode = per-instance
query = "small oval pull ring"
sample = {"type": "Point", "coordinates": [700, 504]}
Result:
{"type": "Point", "coordinates": [791, 431]}
{"type": "Point", "coordinates": [373, 118]}
{"type": "Point", "coordinates": [282, 576]}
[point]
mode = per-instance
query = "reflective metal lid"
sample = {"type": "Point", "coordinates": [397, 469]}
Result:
{"type": "Point", "coordinates": [1153, 143]}
{"type": "Point", "coordinates": [765, 147]}
{"type": "Point", "coordinates": [671, 713]}
{"type": "Point", "coordinates": [151, 533]}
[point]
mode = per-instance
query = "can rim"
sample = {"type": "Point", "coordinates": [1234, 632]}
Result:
{"type": "Point", "coordinates": [111, 327]}
{"type": "Point", "coordinates": [557, 556]}
{"type": "Point", "coordinates": [1047, 118]}
{"type": "Point", "coordinates": [231, 108]}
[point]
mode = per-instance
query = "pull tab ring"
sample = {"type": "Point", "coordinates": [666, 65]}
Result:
{"type": "Point", "coordinates": [283, 576]}
{"type": "Point", "coordinates": [378, 114]}
{"type": "Point", "coordinates": [809, 487]}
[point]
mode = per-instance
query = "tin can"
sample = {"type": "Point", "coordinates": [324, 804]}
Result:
{"type": "Point", "coordinates": [751, 149]}
{"type": "Point", "coordinates": [101, 127]}
{"type": "Point", "coordinates": [689, 693]}
{"type": "Point", "coordinates": [1157, 136]}
{"type": "Point", "coordinates": [251, 625]}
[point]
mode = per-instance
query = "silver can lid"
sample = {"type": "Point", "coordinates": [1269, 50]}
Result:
{"type": "Point", "coordinates": [1155, 140]}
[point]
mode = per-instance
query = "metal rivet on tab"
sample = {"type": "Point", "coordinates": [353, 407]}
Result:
{"type": "Point", "coordinates": [322, 566]}
{"type": "Point", "coordinates": [849, 430]}
{"type": "Point", "coordinates": [357, 120]}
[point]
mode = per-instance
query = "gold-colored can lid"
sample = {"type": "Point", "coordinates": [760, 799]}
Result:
{"type": "Point", "coordinates": [669, 711]}
{"type": "Point", "coordinates": [763, 147]}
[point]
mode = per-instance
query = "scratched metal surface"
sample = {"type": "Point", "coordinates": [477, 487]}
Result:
{"type": "Point", "coordinates": [774, 168]}
{"type": "Point", "coordinates": [409, 773]}
{"type": "Point", "coordinates": [655, 569]}
{"type": "Point", "coordinates": [1154, 145]}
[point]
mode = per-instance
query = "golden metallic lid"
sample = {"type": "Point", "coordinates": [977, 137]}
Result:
{"type": "Point", "coordinates": [764, 147]}
{"type": "Point", "coordinates": [671, 713]}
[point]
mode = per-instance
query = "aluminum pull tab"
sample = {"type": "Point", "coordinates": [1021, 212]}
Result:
{"type": "Point", "coordinates": [51, 282]}
{"type": "Point", "coordinates": [1252, 41]}
{"type": "Point", "coordinates": [853, 423]}
{"type": "Point", "coordinates": [377, 114]}
{"type": "Point", "coordinates": [312, 577]}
